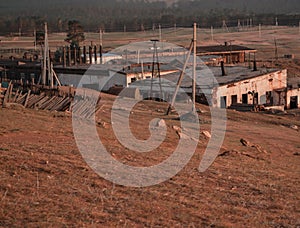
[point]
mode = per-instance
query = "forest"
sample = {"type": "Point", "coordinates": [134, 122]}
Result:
{"type": "Point", "coordinates": [137, 15]}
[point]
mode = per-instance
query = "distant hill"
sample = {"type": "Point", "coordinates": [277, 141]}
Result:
{"type": "Point", "coordinates": [256, 6]}
{"type": "Point", "coordinates": [115, 15]}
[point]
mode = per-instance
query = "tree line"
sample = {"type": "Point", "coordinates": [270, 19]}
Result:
{"type": "Point", "coordinates": [138, 15]}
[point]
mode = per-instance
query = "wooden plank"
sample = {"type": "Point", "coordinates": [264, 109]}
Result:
{"type": "Point", "coordinates": [38, 104]}
{"type": "Point", "coordinates": [55, 103]}
{"type": "Point", "coordinates": [61, 105]}
{"type": "Point", "coordinates": [35, 100]}
{"type": "Point", "coordinates": [16, 95]}
{"type": "Point", "coordinates": [47, 103]}
{"type": "Point", "coordinates": [10, 93]}
{"type": "Point", "coordinates": [21, 99]}
{"type": "Point", "coordinates": [6, 96]}
{"type": "Point", "coordinates": [54, 108]}
{"type": "Point", "coordinates": [27, 98]}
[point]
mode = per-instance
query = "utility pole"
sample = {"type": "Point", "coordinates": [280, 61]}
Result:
{"type": "Point", "coordinates": [175, 29]}
{"type": "Point", "coordinates": [212, 33]}
{"type": "Point", "coordinates": [142, 64]}
{"type": "Point", "coordinates": [47, 66]}
{"type": "Point", "coordinates": [101, 44]}
{"type": "Point", "coordinates": [193, 47]}
{"type": "Point", "coordinates": [44, 72]}
{"type": "Point", "coordinates": [194, 66]}
{"type": "Point", "coordinates": [100, 37]}
{"type": "Point", "coordinates": [225, 28]}
{"type": "Point", "coordinates": [239, 24]}
{"type": "Point", "coordinates": [259, 30]}
{"type": "Point", "coordinates": [34, 34]}
{"type": "Point", "coordinates": [160, 33]}
{"type": "Point", "coordinates": [276, 49]}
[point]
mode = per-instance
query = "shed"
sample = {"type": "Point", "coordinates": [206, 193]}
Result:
{"type": "Point", "coordinates": [230, 53]}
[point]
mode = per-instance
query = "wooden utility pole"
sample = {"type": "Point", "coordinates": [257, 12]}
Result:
{"type": "Point", "coordinates": [193, 46]}
{"type": "Point", "coordinates": [47, 70]}
{"type": "Point", "coordinates": [44, 72]}
{"type": "Point", "coordinates": [276, 49]}
{"type": "Point", "coordinates": [194, 66]}
{"type": "Point", "coordinates": [259, 30]}
{"type": "Point", "coordinates": [160, 33]}
{"type": "Point", "coordinates": [225, 28]}
{"type": "Point", "coordinates": [180, 79]}
{"type": "Point", "coordinates": [34, 34]}
{"type": "Point", "coordinates": [100, 37]}
{"type": "Point", "coordinates": [239, 25]}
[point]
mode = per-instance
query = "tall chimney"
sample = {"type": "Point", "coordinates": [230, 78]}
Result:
{"type": "Point", "coordinates": [95, 54]}
{"type": "Point", "coordinates": [90, 54]}
{"type": "Point", "coordinates": [100, 51]}
{"type": "Point", "coordinates": [84, 54]}
{"type": "Point", "coordinates": [254, 64]}
{"type": "Point", "coordinates": [223, 68]}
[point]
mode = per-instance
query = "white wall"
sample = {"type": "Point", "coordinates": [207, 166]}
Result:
{"type": "Point", "coordinates": [260, 84]}
{"type": "Point", "coordinates": [292, 93]}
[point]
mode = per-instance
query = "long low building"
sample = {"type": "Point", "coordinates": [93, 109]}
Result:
{"type": "Point", "coordinates": [219, 88]}
{"type": "Point", "coordinates": [215, 86]}
{"type": "Point", "coordinates": [244, 86]}
{"type": "Point", "coordinates": [240, 85]}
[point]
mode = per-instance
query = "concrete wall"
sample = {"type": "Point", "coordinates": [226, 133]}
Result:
{"type": "Point", "coordinates": [260, 84]}
{"type": "Point", "coordinates": [292, 93]}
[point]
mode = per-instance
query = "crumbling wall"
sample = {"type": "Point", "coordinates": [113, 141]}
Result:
{"type": "Point", "coordinates": [290, 94]}
{"type": "Point", "coordinates": [260, 84]}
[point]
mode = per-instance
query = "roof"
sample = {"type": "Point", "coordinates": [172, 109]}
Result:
{"type": "Point", "coordinates": [294, 83]}
{"type": "Point", "coordinates": [207, 78]}
{"type": "Point", "coordinates": [18, 62]}
{"type": "Point", "coordinates": [223, 48]}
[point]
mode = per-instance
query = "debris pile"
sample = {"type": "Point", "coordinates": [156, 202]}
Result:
{"type": "Point", "coordinates": [41, 101]}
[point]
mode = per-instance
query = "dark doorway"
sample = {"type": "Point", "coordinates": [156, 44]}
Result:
{"type": "Point", "coordinates": [294, 102]}
{"type": "Point", "coordinates": [224, 102]}
{"type": "Point", "coordinates": [269, 98]}
{"type": "Point", "coordinates": [245, 98]}
{"type": "Point", "coordinates": [255, 99]}
{"type": "Point", "coordinates": [234, 99]}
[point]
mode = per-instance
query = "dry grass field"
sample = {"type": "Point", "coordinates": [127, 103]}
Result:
{"type": "Point", "coordinates": [46, 182]}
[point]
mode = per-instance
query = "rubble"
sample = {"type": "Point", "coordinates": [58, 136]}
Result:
{"type": "Point", "coordinates": [206, 134]}
{"type": "Point", "coordinates": [294, 127]}
{"type": "Point", "coordinates": [161, 123]}
{"type": "Point", "coordinates": [248, 144]}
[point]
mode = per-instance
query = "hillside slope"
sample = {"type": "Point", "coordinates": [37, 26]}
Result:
{"type": "Point", "coordinates": [46, 182]}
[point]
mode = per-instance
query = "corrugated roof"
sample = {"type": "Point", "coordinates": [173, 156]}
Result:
{"type": "Point", "coordinates": [207, 78]}
{"type": "Point", "coordinates": [223, 48]}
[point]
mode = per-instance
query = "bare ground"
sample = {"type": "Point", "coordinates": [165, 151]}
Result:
{"type": "Point", "coordinates": [46, 182]}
